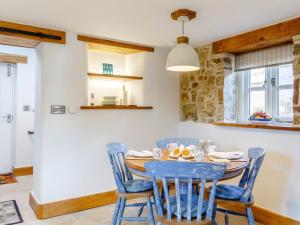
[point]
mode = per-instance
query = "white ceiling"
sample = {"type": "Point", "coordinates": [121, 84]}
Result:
{"type": "Point", "coordinates": [148, 21]}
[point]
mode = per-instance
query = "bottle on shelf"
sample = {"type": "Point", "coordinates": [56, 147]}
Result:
{"type": "Point", "coordinates": [92, 99]}
{"type": "Point", "coordinates": [124, 98]}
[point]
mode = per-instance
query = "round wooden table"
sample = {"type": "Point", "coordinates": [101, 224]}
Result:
{"type": "Point", "coordinates": [234, 168]}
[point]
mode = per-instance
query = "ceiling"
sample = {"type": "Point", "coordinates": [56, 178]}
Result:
{"type": "Point", "coordinates": [148, 21]}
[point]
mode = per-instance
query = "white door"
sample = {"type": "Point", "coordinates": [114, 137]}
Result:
{"type": "Point", "coordinates": [6, 116]}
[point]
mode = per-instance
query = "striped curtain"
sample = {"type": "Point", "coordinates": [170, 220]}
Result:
{"type": "Point", "coordinates": [265, 57]}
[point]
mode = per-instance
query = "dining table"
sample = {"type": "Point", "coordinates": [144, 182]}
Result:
{"type": "Point", "coordinates": [234, 167]}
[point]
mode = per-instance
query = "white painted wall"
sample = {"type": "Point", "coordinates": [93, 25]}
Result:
{"type": "Point", "coordinates": [277, 185]}
{"type": "Point", "coordinates": [25, 95]}
{"type": "Point", "coordinates": [71, 158]}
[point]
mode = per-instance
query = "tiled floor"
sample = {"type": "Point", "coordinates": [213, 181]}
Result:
{"type": "Point", "coordinates": [98, 216]}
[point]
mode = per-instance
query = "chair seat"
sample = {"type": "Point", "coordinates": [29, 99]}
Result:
{"type": "Point", "coordinates": [138, 185]}
{"type": "Point", "coordinates": [183, 200]}
{"type": "Point", "coordinates": [226, 191]}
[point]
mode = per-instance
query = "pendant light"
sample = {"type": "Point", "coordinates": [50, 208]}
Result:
{"type": "Point", "coordinates": [183, 57]}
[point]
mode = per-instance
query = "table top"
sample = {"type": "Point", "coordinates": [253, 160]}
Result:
{"type": "Point", "coordinates": [233, 167]}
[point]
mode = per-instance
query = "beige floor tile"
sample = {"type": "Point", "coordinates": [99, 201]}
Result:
{"type": "Point", "coordinates": [98, 216]}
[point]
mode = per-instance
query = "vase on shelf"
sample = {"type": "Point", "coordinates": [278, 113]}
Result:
{"type": "Point", "coordinates": [92, 99]}
{"type": "Point", "coordinates": [124, 97]}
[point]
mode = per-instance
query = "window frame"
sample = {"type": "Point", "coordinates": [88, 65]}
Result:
{"type": "Point", "coordinates": [271, 93]}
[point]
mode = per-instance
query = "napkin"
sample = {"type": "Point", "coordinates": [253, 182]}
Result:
{"type": "Point", "coordinates": [226, 155]}
{"type": "Point", "coordinates": [144, 153]}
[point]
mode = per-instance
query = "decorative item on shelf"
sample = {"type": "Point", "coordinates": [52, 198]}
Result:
{"type": "Point", "coordinates": [109, 100]}
{"type": "Point", "coordinates": [260, 116]}
{"type": "Point", "coordinates": [183, 57]}
{"type": "Point", "coordinates": [124, 97]}
{"type": "Point", "coordinates": [92, 99]}
{"type": "Point", "coordinates": [107, 68]}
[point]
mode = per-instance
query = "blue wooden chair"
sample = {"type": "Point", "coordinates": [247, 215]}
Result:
{"type": "Point", "coordinates": [241, 195]}
{"type": "Point", "coordinates": [128, 187]}
{"type": "Point", "coordinates": [163, 143]}
{"type": "Point", "coordinates": [185, 206]}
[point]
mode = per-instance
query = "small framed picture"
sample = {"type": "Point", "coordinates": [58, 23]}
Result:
{"type": "Point", "coordinates": [107, 68]}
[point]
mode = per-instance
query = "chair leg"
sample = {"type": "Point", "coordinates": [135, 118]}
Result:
{"type": "Point", "coordinates": [140, 211]}
{"type": "Point", "coordinates": [213, 216]}
{"type": "Point", "coordinates": [150, 213]}
{"type": "Point", "coordinates": [121, 211]}
{"type": "Point", "coordinates": [226, 218]}
{"type": "Point", "coordinates": [116, 212]}
{"type": "Point", "coordinates": [250, 216]}
{"type": "Point", "coordinates": [154, 203]}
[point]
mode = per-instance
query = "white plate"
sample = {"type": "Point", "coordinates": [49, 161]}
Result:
{"type": "Point", "coordinates": [227, 155]}
{"type": "Point", "coordinates": [141, 154]}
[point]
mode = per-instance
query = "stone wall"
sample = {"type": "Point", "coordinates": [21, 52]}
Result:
{"type": "Point", "coordinates": [296, 68]}
{"type": "Point", "coordinates": [230, 94]}
{"type": "Point", "coordinates": [202, 92]}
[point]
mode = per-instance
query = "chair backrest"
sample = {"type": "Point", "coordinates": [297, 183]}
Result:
{"type": "Point", "coordinates": [163, 143]}
{"type": "Point", "coordinates": [256, 157]}
{"type": "Point", "coordinates": [183, 174]}
{"type": "Point", "coordinates": [121, 172]}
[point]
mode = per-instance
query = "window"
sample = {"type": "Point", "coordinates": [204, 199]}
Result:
{"type": "Point", "coordinates": [268, 89]}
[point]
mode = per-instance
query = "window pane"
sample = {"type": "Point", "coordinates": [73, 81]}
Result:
{"type": "Point", "coordinates": [257, 77]}
{"type": "Point", "coordinates": [286, 74]}
{"type": "Point", "coordinates": [285, 103]}
{"type": "Point", "coordinates": [257, 101]}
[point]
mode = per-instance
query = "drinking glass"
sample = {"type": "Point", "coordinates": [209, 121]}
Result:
{"type": "Point", "coordinates": [171, 146]}
{"type": "Point", "coordinates": [202, 145]}
{"type": "Point", "coordinates": [157, 153]}
{"type": "Point", "coordinates": [211, 149]}
{"type": "Point", "coordinates": [199, 156]}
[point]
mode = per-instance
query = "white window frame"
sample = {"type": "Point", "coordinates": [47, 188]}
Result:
{"type": "Point", "coordinates": [271, 94]}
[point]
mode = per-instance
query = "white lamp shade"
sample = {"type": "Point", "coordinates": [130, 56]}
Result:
{"type": "Point", "coordinates": [183, 58]}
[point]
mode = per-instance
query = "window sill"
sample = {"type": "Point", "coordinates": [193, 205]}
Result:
{"type": "Point", "coordinates": [259, 125]}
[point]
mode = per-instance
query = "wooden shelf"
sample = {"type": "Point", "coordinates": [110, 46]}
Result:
{"type": "Point", "coordinates": [116, 107]}
{"type": "Point", "coordinates": [259, 125]}
{"type": "Point", "coordinates": [114, 46]}
{"type": "Point", "coordinates": [113, 77]}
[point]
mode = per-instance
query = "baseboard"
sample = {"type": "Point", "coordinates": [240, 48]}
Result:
{"type": "Point", "coordinates": [43, 211]}
{"type": "Point", "coordinates": [23, 171]}
{"type": "Point", "coordinates": [265, 216]}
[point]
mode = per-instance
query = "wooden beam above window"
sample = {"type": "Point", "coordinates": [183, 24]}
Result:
{"type": "Point", "coordinates": [28, 36]}
{"type": "Point", "coordinates": [9, 58]}
{"type": "Point", "coordinates": [18, 41]}
{"type": "Point", "coordinates": [270, 36]}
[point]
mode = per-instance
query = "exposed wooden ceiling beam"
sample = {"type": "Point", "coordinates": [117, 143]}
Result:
{"type": "Point", "coordinates": [261, 38]}
{"type": "Point", "coordinates": [114, 46]}
{"type": "Point", "coordinates": [22, 33]}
